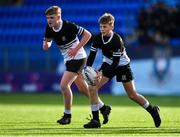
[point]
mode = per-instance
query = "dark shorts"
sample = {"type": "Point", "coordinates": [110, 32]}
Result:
{"type": "Point", "coordinates": [75, 66]}
{"type": "Point", "coordinates": [122, 73]}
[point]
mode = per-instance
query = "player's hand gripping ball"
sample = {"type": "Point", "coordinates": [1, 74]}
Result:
{"type": "Point", "coordinates": [89, 75]}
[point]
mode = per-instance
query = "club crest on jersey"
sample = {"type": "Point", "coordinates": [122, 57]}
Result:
{"type": "Point", "coordinates": [63, 38]}
{"type": "Point", "coordinates": [124, 77]}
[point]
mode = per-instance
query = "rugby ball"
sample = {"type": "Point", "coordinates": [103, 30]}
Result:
{"type": "Point", "coordinates": [89, 74]}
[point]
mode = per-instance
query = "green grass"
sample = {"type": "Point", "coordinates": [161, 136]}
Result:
{"type": "Point", "coordinates": [36, 115]}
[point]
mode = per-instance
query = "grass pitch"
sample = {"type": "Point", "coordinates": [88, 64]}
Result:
{"type": "Point", "coordinates": [36, 115]}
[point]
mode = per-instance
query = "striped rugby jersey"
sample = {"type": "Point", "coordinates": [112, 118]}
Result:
{"type": "Point", "coordinates": [112, 47]}
{"type": "Point", "coordinates": [66, 37]}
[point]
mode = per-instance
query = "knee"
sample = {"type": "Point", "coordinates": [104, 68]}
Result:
{"type": "Point", "coordinates": [63, 87]}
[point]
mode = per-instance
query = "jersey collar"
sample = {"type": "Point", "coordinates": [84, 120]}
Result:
{"type": "Point", "coordinates": [60, 27]}
{"type": "Point", "coordinates": [110, 38]}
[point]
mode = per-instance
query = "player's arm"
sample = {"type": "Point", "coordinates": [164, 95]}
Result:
{"type": "Point", "coordinates": [83, 33]}
{"type": "Point", "coordinates": [86, 35]}
{"type": "Point", "coordinates": [85, 38]}
{"type": "Point", "coordinates": [91, 56]}
{"type": "Point", "coordinates": [47, 43]}
{"type": "Point", "coordinates": [90, 62]}
{"type": "Point", "coordinates": [116, 58]}
{"type": "Point", "coordinates": [93, 51]}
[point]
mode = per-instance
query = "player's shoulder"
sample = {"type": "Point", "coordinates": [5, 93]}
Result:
{"type": "Point", "coordinates": [68, 23]}
{"type": "Point", "coordinates": [118, 37]}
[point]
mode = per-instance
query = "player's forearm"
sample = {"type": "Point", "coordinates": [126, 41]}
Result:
{"type": "Point", "coordinates": [85, 38]}
{"type": "Point", "coordinates": [46, 44]}
{"type": "Point", "coordinates": [112, 66]}
{"type": "Point", "coordinates": [91, 58]}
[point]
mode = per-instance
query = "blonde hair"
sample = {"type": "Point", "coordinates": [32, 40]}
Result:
{"type": "Point", "coordinates": [53, 10]}
{"type": "Point", "coordinates": [107, 18]}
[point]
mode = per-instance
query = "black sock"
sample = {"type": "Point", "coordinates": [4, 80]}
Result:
{"type": "Point", "coordinates": [95, 115]}
{"type": "Point", "coordinates": [103, 108]}
{"type": "Point", "coordinates": [150, 109]}
{"type": "Point", "coordinates": [67, 115]}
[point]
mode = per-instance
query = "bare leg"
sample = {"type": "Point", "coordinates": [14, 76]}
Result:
{"type": "Point", "coordinates": [95, 106]}
{"type": "Point", "coordinates": [94, 97]}
{"type": "Point", "coordinates": [66, 81]}
{"type": "Point", "coordinates": [132, 94]}
{"type": "Point", "coordinates": [82, 85]}
{"type": "Point", "coordinates": [65, 85]}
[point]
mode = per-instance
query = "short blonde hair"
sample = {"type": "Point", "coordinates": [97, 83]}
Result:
{"type": "Point", "coordinates": [107, 18]}
{"type": "Point", "coordinates": [53, 10]}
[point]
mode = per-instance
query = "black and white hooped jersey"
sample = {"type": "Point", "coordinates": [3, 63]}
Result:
{"type": "Point", "coordinates": [66, 37]}
{"type": "Point", "coordinates": [113, 50]}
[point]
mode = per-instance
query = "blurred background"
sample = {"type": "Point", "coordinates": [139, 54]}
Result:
{"type": "Point", "coordinates": [150, 29]}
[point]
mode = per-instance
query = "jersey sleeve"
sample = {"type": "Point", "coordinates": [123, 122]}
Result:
{"type": "Point", "coordinates": [93, 52]}
{"type": "Point", "coordinates": [118, 48]}
{"type": "Point", "coordinates": [78, 30]}
{"type": "Point", "coordinates": [121, 44]}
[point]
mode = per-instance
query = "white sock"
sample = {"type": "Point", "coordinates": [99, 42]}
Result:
{"type": "Point", "coordinates": [146, 104]}
{"type": "Point", "coordinates": [100, 104]}
{"type": "Point", "coordinates": [94, 107]}
{"type": "Point", "coordinates": [67, 111]}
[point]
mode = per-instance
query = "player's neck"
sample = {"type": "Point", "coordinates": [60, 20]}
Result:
{"type": "Point", "coordinates": [58, 26]}
{"type": "Point", "coordinates": [110, 37]}
{"type": "Point", "coordinates": [109, 34]}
